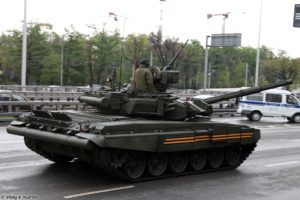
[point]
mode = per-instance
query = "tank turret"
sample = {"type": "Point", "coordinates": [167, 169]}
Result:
{"type": "Point", "coordinates": [161, 103]}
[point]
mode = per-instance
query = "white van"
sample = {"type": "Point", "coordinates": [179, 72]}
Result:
{"type": "Point", "coordinates": [270, 103]}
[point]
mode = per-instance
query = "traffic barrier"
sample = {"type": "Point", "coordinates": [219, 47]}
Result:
{"type": "Point", "coordinates": [18, 106]}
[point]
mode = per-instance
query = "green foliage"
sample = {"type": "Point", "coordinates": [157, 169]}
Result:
{"type": "Point", "coordinates": [38, 53]}
{"type": "Point", "coordinates": [281, 68]}
{"type": "Point", "coordinates": [91, 59]}
{"type": "Point", "coordinates": [136, 47]}
{"type": "Point", "coordinates": [75, 70]}
{"type": "Point", "coordinates": [194, 63]}
{"type": "Point", "coordinates": [10, 56]}
{"type": "Point", "coordinates": [106, 53]}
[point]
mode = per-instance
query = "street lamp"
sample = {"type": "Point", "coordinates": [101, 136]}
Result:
{"type": "Point", "coordinates": [205, 64]}
{"type": "Point", "coordinates": [210, 74]}
{"type": "Point", "coordinates": [246, 75]}
{"type": "Point", "coordinates": [24, 47]}
{"type": "Point", "coordinates": [62, 61]}
{"type": "Point", "coordinates": [258, 48]}
{"type": "Point", "coordinates": [112, 14]}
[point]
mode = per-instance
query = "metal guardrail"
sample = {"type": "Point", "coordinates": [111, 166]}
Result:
{"type": "Point", "coordinates": [31, 95]}
{"type": "Point", "coordinates": [43, 88]}
{"type": "Point", "coordinates": [8, 117]}
{"type": "Point", "coordinates": [13, 107]}
{"type": "Point", "coordinates": [16, 106]}
{"type": "Point", "coordinates": [61, 98]}
{"type": "Point", "coordinates": [71, 93]}
{"type": "Point", "coordinates": [49, 96]}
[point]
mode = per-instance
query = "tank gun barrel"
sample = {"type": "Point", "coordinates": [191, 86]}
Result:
{"type": "Point", "coordinates": [169, 66]}
{"type": "Point", "coordinates": [102, 102]}
{"type": "Point", "coordinates": [245, 92]}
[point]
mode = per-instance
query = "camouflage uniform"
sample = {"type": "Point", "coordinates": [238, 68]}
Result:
{"type": "Point", "coordinates": [143, 79]}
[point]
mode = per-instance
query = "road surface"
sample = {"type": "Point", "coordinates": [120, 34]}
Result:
{"type": "Point", "coordinates": [272, 172]}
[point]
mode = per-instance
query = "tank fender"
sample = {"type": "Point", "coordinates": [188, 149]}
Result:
{"type": "Point", "coordinates": [50, 137]}
{"type": "Point", "coordinates": [96, 139]}
{"type": "Point", "coordinates": [140, 141]}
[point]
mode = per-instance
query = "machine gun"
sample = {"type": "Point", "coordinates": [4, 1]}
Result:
{"type": "Point", "coordinates": [166, 76]}
{"type": "Point", "coordinates": [169, 66]}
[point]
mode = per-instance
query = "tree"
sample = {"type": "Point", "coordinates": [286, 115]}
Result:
{"type": "Point", "coordinates": [280, 68]}
{"type": "Point", "coordinates": [158, 47]}
{"type": "Point", "coordinates": [135, 48]}
{"type": "Point", "coordinates": [193, 62]}
{"type": "Point", "coordinates": [106, 52]}
{"type": "Point", "coordinates": [75, 70]}
{"type": "Point", "coordinates": [38, 50]}
{"type": "Point", "coordinates": [91, 59]}
{"type": "Point", "coordinates": [10, 56]}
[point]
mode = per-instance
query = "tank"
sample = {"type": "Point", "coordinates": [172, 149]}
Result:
{"type": "Point", "coordinates": [142, 136]}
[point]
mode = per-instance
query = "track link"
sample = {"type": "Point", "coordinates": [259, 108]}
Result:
{"type": "Point", "coordinates": [105, 163]}
{"type": "Point", "coordinates": [107, 160]}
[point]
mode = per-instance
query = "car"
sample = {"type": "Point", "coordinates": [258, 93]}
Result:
{"type": "Point", "coordinates": [7, 95]}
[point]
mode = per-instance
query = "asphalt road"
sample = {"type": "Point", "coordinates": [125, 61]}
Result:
{"type": "Point", "coordinates": [271, 172]}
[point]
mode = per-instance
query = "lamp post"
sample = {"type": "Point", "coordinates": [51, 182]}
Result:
{"type": "Point", "coordinates": [246, 74]}
{"type": "Point", "coordinates": [62, 61]}
{"type": "Point", "coordinates": [211, 72]}
{"type": "Point", "coordinates": [258, 48]}
{"type": "Point", "coordinates": [112, 14]}
{"type": "Point", "coordinates": [205, 64]}
{"type": "Point", "coordinates": [24, 48]}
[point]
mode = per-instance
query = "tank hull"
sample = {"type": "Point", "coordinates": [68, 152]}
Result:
{"type": "Point", "coordinates": [132, 149]}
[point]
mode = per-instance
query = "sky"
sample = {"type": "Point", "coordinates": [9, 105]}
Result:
{"type": "Point", "coordinates": [183, 19]}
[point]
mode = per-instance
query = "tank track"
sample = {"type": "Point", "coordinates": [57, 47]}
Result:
{"type": "Point", "coordinates": [33, 145]}
{"type": "Point", "coordinates": [108, 160]}
{"type": "Point", "coordinates": [102, 161]}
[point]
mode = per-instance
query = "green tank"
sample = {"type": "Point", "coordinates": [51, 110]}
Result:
{"type": "Point", "coordinates": [142, 136]}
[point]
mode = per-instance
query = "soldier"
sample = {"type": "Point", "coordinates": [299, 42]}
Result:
{"type": "Point", "coordinates": [143, 77]}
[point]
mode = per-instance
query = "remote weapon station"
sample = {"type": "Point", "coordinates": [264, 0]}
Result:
{"type": "Point", "coordinates": [142, 136]}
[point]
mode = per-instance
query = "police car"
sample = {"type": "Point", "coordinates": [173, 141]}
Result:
{"type": "Point", "coordinates": [270, 103]}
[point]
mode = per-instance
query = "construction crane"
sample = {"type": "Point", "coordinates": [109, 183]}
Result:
{"type": "Point", "coordinates": [225, 16]}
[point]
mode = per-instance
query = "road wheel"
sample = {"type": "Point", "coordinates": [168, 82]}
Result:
{"type": "Point", "coordinates": [232, 156]}
{"type": "Point", "coordinates": [157, 163]}
{"type": "Point", "coordinates": [216, 158]}
{"type": "Point", "coordinates": [255, 116]}
{"type": "Point", "coordinates": [296, 118]}
{"type": "Point", "coordinates": [178, 161]}
{"type": "Point", "coordinates": [198, 159]}
{"type": "Point", "coordinates": [135, 164]}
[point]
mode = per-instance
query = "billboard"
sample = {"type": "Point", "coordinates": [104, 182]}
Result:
{"type": "Point", "coordinates": [226, 40]}
{"type": "Point", "coordinates": [297, 16]}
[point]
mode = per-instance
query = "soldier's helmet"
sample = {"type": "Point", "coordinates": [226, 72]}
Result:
{"type": "Point", "coordinates": [145, 61]}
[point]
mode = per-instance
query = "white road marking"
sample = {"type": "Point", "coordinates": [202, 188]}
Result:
{"type": "Point", "coordinates": [99, 191]}
{"type": "Point", "coordinates": [296, 140]}
{"type": "Point", "coordinates": [283, 163]}
{"type": "Point", "coordinates": [11, 142]}
{"type": "Point", "coordinates": [10, 166]}
{"type": "Point", "coordinates": [19, 154]}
